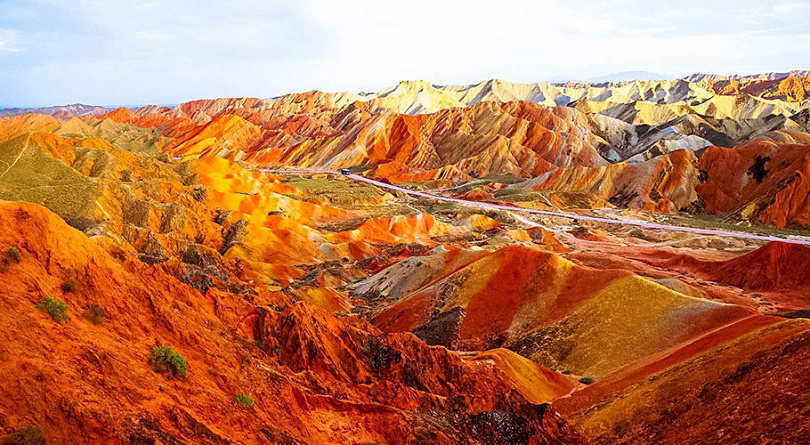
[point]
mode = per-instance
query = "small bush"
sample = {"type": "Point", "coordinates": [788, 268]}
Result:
{"type": "Point", "coordinates": [586, 380]}
{"type": "Point", "coordinates": [13, 255]}
{"type": "Point", "coordinates": [244, 400]}
{"type": "Point", "coordinates": [126, 175]}
{"type": "Point", "coordinates": [199, 193]}
{"type": "Point", "coordinates": [95, 314]}
{"type": "Point", "coordinates": [259, 344]}
{"type": "Point", "coordinates": [70, 286]}
{"type": "Point", "coordinates": [54, 307]}
{"type": "Point", "coordinates": [30, 435]}
{"type": "Point", "coordinates": [166, 359]}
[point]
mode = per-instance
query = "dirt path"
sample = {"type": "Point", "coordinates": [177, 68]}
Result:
{"type": "Point", "coordinates": [491, 206]}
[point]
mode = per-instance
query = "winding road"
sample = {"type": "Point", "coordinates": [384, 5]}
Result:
{"type": "Point", "coordinates": [492, 206]}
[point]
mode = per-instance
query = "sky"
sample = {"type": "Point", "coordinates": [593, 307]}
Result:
{"type": "Point", "coordinates": [111, 52]}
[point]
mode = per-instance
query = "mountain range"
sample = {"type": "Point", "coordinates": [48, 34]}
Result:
{"type": "Point", "coordinates": [498, 263]}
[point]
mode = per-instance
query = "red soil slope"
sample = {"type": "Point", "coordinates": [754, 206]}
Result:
{"type": "Point", "coordinates": [774, 266]}
{"type": "Point", "coordinates": [761, 180]}
{"type": "Point", "coordinates": [319, 378]}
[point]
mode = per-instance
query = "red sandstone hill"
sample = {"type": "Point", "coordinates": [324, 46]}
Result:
{"type": "Point", "coordinates": [761, 180]}
{"type": "Point", "coordinates": [340, 309]}
{"type": "Point", "coordinates": [314, 378]}
{"type": "Point", "coordinates": [774, 266]}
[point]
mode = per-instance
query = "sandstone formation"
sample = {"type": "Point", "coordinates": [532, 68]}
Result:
{"type": "Point", "coordinates": [204, 273]}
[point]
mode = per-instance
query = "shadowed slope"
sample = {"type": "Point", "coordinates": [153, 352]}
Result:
{"type": "Point", "coordinates": [562, 315]}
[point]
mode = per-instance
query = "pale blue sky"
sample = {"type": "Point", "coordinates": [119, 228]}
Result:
{"type": "Point", "coordinates": [136, 52]}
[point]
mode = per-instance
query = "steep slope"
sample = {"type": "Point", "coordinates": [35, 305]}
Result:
{"type": "Point", "coordinates": [94, 380]}
{"type": "Point", "coordinates": [743, 384]}
{"type": "Point", "coordinates": [665, 183]}
{"type": "Point", "coordinates": [774, 266]}
{"type": "Point", "coordinates": [486, 139]}
{"type": "Point", "coordinates": [545, 308]}
{"type": "Point", "coordinates": [762, 181]}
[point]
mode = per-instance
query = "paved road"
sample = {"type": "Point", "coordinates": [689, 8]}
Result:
{"type": "Point", "coordinates": [492, 206]}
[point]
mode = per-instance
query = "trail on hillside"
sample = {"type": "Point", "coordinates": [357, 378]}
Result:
{"type": "Point", "coordinates": [491, 206]}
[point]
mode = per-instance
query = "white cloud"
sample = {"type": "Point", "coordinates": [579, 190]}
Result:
{"type": "Point", "coordinates": [9, 41]}
{"type": "Point", "coordinates": [112, 51]}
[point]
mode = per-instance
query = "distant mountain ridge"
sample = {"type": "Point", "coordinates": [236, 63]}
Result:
{"type": "Point", "coordinates": [60, 111]}
{"type": "Point", "coordinates": [697, 77]}
{"type": "Point", "coordinates": [427, 97]}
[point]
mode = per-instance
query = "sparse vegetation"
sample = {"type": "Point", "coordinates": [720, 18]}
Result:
{"type": "Point", "coordinates": [244, 400]}
{"type": "Point", "coordinates": [13, 255]}
{"type": "Point", "coordinates": [586, 380]}
{"type": "Point", "coordinates": [199, 193]}
{"type": "Point", "coordinates": [54, 307]}
{"type": "Point", "coordinates": [344, 226]}
{"type": "Point", "coordinates": [95, 314]}
{"type": "Point", "coordinates": [70, 285]}
{"type": "Point", "coordinates": [126, 175]}
{"type": "Point", "coordinates": [166, 359]}
{"type": "Point", "coordinates": [260, 344]}
{"type": "Point", "coordinates": [30, 435]}
{"type": "Point", "coordinates": [339, 192]}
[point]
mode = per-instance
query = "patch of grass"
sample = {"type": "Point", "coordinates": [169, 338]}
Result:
{"type": "Point", "coordinates": [439, 208]}
{"type": "Point", "coordinates": [29, 435]}
{"type": "Point", "coordinates": [54, 307]}
{"type": "Point", "coordinates": [344, 226]}
{"type": "Point", "coordinates": [520, 195]}
{"type": "Point", "coordinates": [338, 191]}
{"type": "Point", "coordinates": [719, 222]}
{"type": "Point", "coordinates": [70, 285]}
{"type": "Point", "coordinates": [259, 344]}
{"type": "Point", "coordinates": [95, 314]}
{"type": "Point", "coordinates": [13, 255]}
{"type": "Point", "coordinates": [166, 359]}
{"type": "Point", "coordinates": [586, 380]}
{"type": "Point", "coordinates": [244, 400]}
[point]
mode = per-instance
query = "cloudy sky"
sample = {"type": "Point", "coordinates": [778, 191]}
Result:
{"type": "Point", "coordinates": [112, 52]}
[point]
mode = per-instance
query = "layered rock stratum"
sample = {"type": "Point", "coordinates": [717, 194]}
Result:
{"type": "Point", "coordinates": [311, 307]}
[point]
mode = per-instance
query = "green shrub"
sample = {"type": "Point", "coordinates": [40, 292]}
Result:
{"type": "Point", "coordinates": [586, 380]}
{"type": "Point", "coordinates": [244, 400]}
{"type": "Point", "coordinates": [54, 307]}
{"type": "Point", "coordinates": [95, 314]}
{"type": "Point", "coordinates": [70, 286]}
{"type": "Point", "coordinates": [13, 254]}
{"type": "Point", "coordinates": [30, 435]}
{"type": "Point", "coordinates": [166, 359]}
